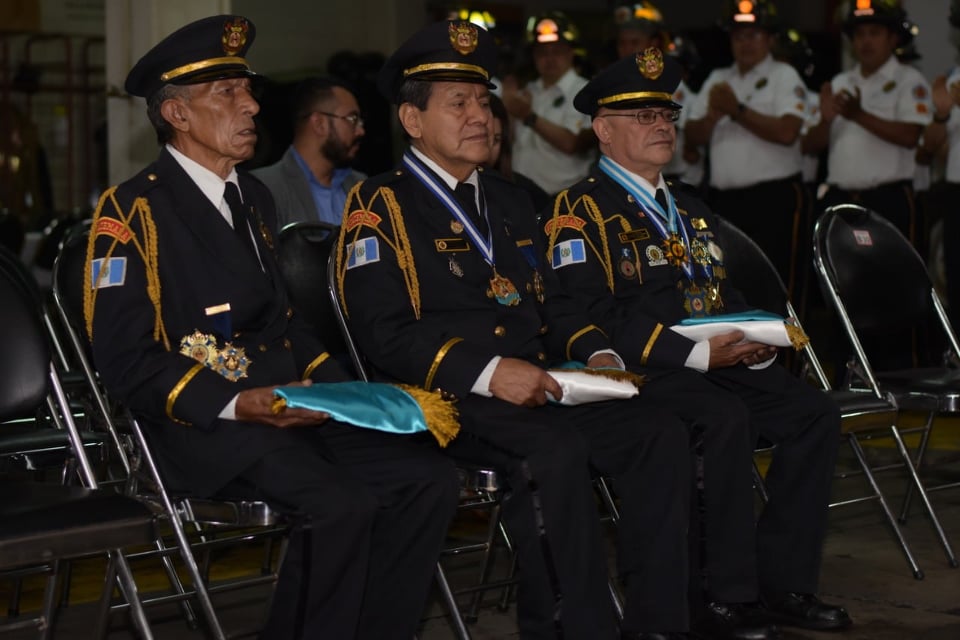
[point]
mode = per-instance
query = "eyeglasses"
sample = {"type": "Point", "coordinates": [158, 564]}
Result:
{"type": "Point", "coordinates": [354, 118]}
{"type": "Point", "coordinates": [649, 116]}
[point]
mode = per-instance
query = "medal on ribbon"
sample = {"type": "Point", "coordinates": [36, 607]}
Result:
{"type": "Point", "coordinates": [695, 302]}
{"type": "Point", "coordinates": [503, 290]}
{"type": "Point", "coordinates": [675, 250]}
{"type": "Point", "coordinates": [501, 287]}
{"type": "Point", "coordinates": [232, 362]}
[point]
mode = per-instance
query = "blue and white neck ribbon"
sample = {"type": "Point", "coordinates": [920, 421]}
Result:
{"type": "Point", "coordinates": [422, 173]}
{"type": "Point", "coordinates": [668, 223]}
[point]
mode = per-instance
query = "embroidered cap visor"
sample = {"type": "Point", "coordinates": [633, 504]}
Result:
{"type": "Point", "coordinates": [203, 51]}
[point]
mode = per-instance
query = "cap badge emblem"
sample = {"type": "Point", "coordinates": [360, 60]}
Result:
{"type": "Point", "coordinates": [234, 36]}
{"type": "Point", "coordinates": [463, 37]}
{"type": "Point", "coordinates": [650, 63]}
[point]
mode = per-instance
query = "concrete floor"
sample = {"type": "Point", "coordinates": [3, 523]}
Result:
{"type": "Point", "coordinates": [863, 570]}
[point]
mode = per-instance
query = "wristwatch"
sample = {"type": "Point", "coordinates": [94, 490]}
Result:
{"type": "Point", "coordinates": [531, 119]}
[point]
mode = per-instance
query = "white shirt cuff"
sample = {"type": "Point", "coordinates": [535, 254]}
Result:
{"type": "Point", "coordinates": [612, 353]}
{"type": "Point", "coordinates": [482, 386]}
{"type": "Point", "coordinates": [699, 358]}
{"type": "Point", "coordinates": [229, 412]}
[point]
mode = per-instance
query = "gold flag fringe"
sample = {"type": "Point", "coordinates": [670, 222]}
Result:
{"type": "Point", "coordinates": [796, 336]}
{"type": "Point", "coordinates": [619, 375]}
{"type": "Point", "coordinates": [441, 415]}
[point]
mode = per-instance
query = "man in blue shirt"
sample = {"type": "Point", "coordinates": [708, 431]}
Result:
{"type": "Point", "coordinates": [311, 181]}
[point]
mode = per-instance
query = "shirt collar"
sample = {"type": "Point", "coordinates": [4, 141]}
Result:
{"type": "Point", "coordinates": [643, 182]}
{"type": "Point", "coordinates": [209, 183]}
{"type": "Point", "coordinates": [448, 179]}
{"type": "Point", "coordinates": [336, 179]}
{"type": "Point", "coordinates": [565, 85]}
{"type": "Point", "coordinates": [761, 68]}
{"type": "Point", "coordinates": [886, 70]}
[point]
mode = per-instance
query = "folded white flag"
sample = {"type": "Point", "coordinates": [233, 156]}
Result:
{"type": "Point", "coordinates": [594, 385]}
{"type": "Point", "coordinates": [757, 326]}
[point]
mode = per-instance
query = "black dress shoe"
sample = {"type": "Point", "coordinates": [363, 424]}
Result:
{"type": "Point", "coordinates": [721, 621]}
{"type": "Point", "coordinates": [650, 635]}
{"type": "Point", "coordinates": [805, 610]}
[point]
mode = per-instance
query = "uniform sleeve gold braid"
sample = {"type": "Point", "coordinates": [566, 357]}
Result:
{"type": "Point", "coordinates": [562, 197]}
{"type": "Point", "coordinates": [403, 249]}
{"type": "Point", "coordinates": [649, 346]}
{"type": "Point", "coordinates": [437, 359]}
{"type": "Point", "coordinates": [604, 254]}
{"type": "Point", "coordinates": [152, 260]}
{"type": "Point", "coordinates": [147, 248]}
{"type": "Point", "coordinates": [579, 334]}
{"type": "Point", "coordinates": [400, 244]}
{"type": "Point", "coordinates": [178, 389]}
{"type": "Point", "coordinates": [319, 360]}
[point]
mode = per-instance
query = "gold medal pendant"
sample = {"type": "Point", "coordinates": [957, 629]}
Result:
{"type": "Point", "coordinates": [713, 295]}
{"type": "Point", "coordinates": [202, 347]}
{"type": "Point", "coordinates": [538, 288]}
{"type": "Point", "coordinates": [503, 290]}
{"type": "Point", "coordinates": [676, 252]}
{"type": "Point", "coordinates": [696, 301]}
{"type": "Point", "coordinates": [232, 363]}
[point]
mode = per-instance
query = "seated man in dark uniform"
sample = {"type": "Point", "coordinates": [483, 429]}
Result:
{"type": "Point", "coordinates": [442, 277]}
{"type": "Point", "coordinates": [644, 257]}
{"type": "Point", "coordinates": [192, 330]}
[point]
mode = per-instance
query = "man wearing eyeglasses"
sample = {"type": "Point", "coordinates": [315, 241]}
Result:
{"type": "Point", "coordinates": [311, 181]}
{"type": "Point", "coordinates": [645, 256]}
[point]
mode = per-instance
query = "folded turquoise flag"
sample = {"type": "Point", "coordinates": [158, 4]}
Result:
{"type": "Point", "coordinates": [375, 405]}
{"type": "Point", "coordinates": [743, 316]}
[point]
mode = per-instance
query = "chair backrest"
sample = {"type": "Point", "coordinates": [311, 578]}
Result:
{"type": "Point", "coordinates": [68, 275]}
{"type": "Point", "coordinates": [754, 275]}
{"type": "Point", "coordinates": [359, 363]}
{"type": "Point", "coordinates": [302, 251]}
{"type": "Point", "coordinates": [875, 272]}
{"type": "Point", "coordinates": [750, 270]}
{"type": "Point", "coordinates": [25, 349]}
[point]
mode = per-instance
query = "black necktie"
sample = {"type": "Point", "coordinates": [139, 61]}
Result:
{"type": "Point", "coordinates": [241, 224]}
{"type": "Point", "coordinates": [661, 199]}
{"type": "Point", "coordinates": [466, 195]}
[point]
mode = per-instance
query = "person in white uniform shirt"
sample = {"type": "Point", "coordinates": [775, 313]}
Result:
{"type": "Point", "coordinates": [553, 144]}
{"type": "Point", "coordinates": [640, 26]}
{"type": "Point", "coordinates": [944, 131]}
{"type": "Point", "coordinates": [750, 114]}
{"type": "Point", "coordinates": [872, 117]}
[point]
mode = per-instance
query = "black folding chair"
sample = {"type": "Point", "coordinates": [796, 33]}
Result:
{"type": "Point", "coordinates": [864, 414]}
{"type": "Point", "coordinates": [198, 525]}
{"type": "Point", "coordinates": [880, 288]}
{"type": "Point", "coordinates": [43, 524]}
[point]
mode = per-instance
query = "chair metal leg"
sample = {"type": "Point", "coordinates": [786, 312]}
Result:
{"type": "Point", "coordinates": [128, 587]}
{"type": "Point", "coordinates": [486, 565]}
{"type": "Point", "coordinates": [106, 598]}
{"type": "Point", "coordinates": [49, 605]}
{"type": "Point", "coordinates": [915, 477]}
{"type": "Point", "coordinates": [759, 485]}
{"type": "Point", "coordinates": [862, 459]}
{"type": "Point", "coordinates": [918, 465]}
{"type": "Point", "coordinates": [199, 586]}
{"type": "Point", "coordinates": [450, 602]}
